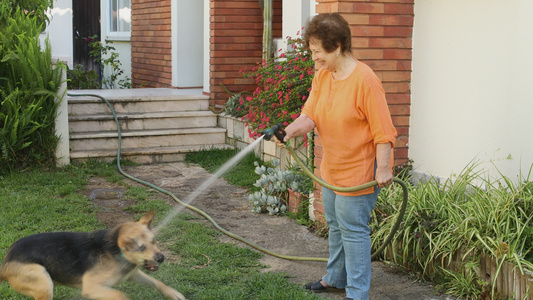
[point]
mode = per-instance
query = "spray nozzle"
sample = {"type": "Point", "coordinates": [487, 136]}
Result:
{"type": "Point", "coordinates": [274, 130]}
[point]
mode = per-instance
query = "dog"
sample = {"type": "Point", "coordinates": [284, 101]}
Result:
{"type": "Point", "coordinates": [91, 261]}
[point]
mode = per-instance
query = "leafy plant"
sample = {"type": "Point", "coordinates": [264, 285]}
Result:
{"type": "Point", "coordinates": [283, 87]}
{"type": "Point", "coordinates": [463, 216]}
{"type": "Point", "coordinates": [105, 55]}
{"type": "Point", "coordinates": [79, 78]}
{"type": "Point", "coordinates": [465, 283]}
{"type": "Point", "coordinates": [233, 107]}
{"type": "Point", "coordinates": [28, 88]}
{"type": "Point", "coordinates": [274, 184]}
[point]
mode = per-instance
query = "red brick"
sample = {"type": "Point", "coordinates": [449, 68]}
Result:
{"type": "Point", "coordinates": [397, 54]}
{"type": "Point", "coordinates": [405, 64]}
{"type": "Point", "coordinates": [357, 19]}
{"type": "Point", "coordinates": [397, 87]}
{"type": "Point", "coordinates": [370, 8]}
{"type": "Point", "coordinates": [402, 131]}
{"type": "Point", "coordinates": [391, 20]}
{"type": "Point", "coordinates": [394, 76]}
{"type": "Point", "coordinates": [363, 54]}
{"type": "Point", "coordinates": [398, 98]}
{"type": "Point", "coordinates": [390, 42]}
{"type": "Point", "coordinates": [382, 65]}
{"type": "Point", "coordinates": [400, 120]}
{"type": "Point", "coordinates": [398, 31]}
{"type": "Point", "coordinates": [360, 30]}
{"type": "Point", "coordinates": [400, 110]}
{"type": "Point", "coordinates": [399, 9]}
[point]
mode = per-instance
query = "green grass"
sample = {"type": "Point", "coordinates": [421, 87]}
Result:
{"type": "Point", "coordinates": [242, 174]}
{"type": "Point", "coordinates": [43, 200]}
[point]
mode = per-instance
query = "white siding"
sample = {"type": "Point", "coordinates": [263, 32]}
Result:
{"type": "Point", "coordinates": [472, 86]}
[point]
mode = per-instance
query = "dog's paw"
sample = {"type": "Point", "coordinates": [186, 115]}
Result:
{"type": "Point", "coordinates": [174, 295]}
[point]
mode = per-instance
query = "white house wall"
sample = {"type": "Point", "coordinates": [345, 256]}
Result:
{"type": "Point", "coordinates": [295, 16]}
{"type": "Point", "coordinates": [60, 30]}
{"type": "Point", "coordinates": [188, 43]}
{"type": "Point", "coordinates": [472, 86]}
{"type": "Point", "coordinates": [122, 45]}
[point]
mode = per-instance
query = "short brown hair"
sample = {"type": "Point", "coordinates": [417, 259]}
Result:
{"type": "Point", "coordinates": [330, 29]}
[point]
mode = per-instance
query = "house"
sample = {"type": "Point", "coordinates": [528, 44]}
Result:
{"type": "Point", "coordinates": [456, 73]}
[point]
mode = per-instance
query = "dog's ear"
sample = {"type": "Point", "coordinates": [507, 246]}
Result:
{"type": "Point", "coordinates": [148, 218]}
{"type": "Point", "coordinates": [127, 244]}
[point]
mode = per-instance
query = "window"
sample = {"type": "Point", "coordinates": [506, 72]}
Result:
{"type": "Point", "coordinates": [119, 18]}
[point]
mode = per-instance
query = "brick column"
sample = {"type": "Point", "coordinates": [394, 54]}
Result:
{"type": "Point", "coordinates": [236, 36]}
{"type": "Point", "coordinates": [382, 38]}
{"type": "Point", "coordinates": [151, 46]}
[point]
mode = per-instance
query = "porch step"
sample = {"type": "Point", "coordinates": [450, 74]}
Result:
{"type": "Point", "coordinates": [147, 138]}
{"type": "Point", "coordinates": [147, 155]}
{"type": "Point", "coordinates": [127, 102]}
{"type": "Point", "coordinates": [140, 121]}
{"type": "Point", "coordinates": [157, 125]}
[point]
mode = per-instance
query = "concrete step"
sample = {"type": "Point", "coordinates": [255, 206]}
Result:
{"type": "Point", "coordinates": [140, 121]}
{"type": "Point", "coordinates": [157, 125]}
{"type": "Point", "coordinates": [135, 101]}
{"type": "Point", "coordinates": [147, 155]}
{"type": "Point", "coordinates": [147, 138]}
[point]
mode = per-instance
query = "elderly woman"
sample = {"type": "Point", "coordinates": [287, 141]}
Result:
{"type": "Point", "coordinates": [347, 107]}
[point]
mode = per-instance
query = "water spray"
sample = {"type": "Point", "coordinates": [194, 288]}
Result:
{"type": "Point", "coordinates": [278, 131]}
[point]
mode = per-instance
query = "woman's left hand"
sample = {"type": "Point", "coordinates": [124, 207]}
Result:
{"type": "Point", "coordinates": [383, 177]}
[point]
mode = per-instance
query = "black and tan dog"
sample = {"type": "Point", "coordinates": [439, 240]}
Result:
{"type": "Point", "coordinates": [93, 262]}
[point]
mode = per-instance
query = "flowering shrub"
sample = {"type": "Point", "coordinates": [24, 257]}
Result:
{"type": "Point", "coordinates": [283, 85]}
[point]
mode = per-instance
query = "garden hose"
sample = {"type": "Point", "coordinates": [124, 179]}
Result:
{"type": "Point", "coordinates": [370, 184]}
{"type": "Point", "coordinates": [224, 231]}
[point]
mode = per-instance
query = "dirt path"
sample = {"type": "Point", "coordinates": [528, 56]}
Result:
{"type": "Point", "coordinates": [229, 206]}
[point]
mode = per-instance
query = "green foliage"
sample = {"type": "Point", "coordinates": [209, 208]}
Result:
{"type": "Point", "coordinates": [34, 9]}
{"type": "Point", "coordinates": [283, 87]}
{"type": "Point", "coordinates": [233, 107]}
{"type": "Point", "coordinates": [465, 283]}
{"type": "Point", "coordinates": [28, 87]}
{"type": "Point", "coordinates": [81, 79]}
{"type": "Point", "coordinates": [457, 217]}
{"type": "Point", "coordinates": [274, 184]}
{"type": "Point", "coordinates": [105, 55]}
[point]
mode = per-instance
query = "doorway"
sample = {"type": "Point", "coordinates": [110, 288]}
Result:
{"type": "Point", "coordinates": [86, 26]}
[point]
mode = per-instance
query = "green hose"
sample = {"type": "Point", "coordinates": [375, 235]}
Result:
{"type": "Point", "coordinates": [239, 238]}
{"type": "Point", "coordinates": [370, 184]}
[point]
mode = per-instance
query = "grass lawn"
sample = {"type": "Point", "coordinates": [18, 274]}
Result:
{"type": "Point", "coordinates": [41, 200]}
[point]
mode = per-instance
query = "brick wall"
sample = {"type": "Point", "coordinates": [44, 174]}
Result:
{"type": "Point", "coordinates": [151, 60]}
{"type": "Point", "coordinates": [382, 38]}
{"type": "Point", "coordinates": [236, 35]}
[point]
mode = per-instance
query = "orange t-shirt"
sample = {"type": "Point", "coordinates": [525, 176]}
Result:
{"type": "Point", "coordinates": [351, 117]}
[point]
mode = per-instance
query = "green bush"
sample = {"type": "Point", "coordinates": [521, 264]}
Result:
{"type": "Point", "coordinates": [463, 216]}
{"type": "Point", "coordinates": [28, 87]}
{"type": "Point", "coordinates": [81, 79]}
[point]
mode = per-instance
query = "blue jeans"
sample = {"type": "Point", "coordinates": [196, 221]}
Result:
{"type": "Point", "coordinates": [349, 264]}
